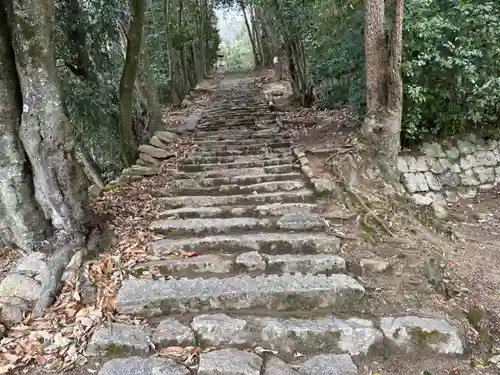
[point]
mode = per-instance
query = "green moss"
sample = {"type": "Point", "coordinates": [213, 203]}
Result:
{"type": "Point", "coordinates": [474, 316]}
{"type": "Point", "coordinates": [110, 187]}
{"type": "Point", "coordinates": [420, 336]}
{"type": "Point", "coordinates": [116, 350]}
{"type": "Point", "coordinates": [140, 271]}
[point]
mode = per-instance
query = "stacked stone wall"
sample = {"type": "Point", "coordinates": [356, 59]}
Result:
{"type": "Point", "coordinates": [450, 171]}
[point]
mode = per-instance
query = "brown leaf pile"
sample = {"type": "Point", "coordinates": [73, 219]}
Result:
{"type": "Point", "coordinates": [57, 342]}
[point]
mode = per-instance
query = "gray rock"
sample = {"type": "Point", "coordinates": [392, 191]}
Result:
{"type": "Point", "coordinates": [485, 175]}
{"type": "Point", "coordinates": [440, 211]}
{"type": "Point", "coordinates": [220, 330]}
{"type": "Point", "coordinates": [312, 264]}
{"type": "Point", "coordinates": [433, 150]}
{"type": "Point", "coordinates": [468, 162]}
{"type": "Point", "coordinates": [275, 366]}
{"type": "Point", "coordinates": [143, 296]}
{"type": "Point", "coordinates": [280, 209]}
{"type": "Point", "coordinates": [466, 147]}
{"type": "Point", "coordinates": [119, 340]}
{"type": "Point", "coordinates": [229, 362]}
{"type": "Point", "coordinates": [141, 170]}
{"type": "Point", "coordinates": [453, 153]}
{"type": "Point", "coordinates": [449, 179]}
{"type": "Point", "coordinates": [268, 242]}
{"type": "Point", "coordinates": [437, 197]}
{"type": "Point", "coordinates": [199, 225]}
{"type": "Point", "coordinates": [323, 186]}
{"type": "Point", "coordinates": [141, 366]}
{"type": "Point", "coordinates": [437, 165]}
{"type": "Point", "coordinates": [329, 364]}
{"type": "Point", "coordinates": [451, 195]}
{"type": "Point", "coordinates": [422, 200]}
{"type": "Point", "coordinates": [466, 192]}
{"type": "Point", "coordinates": [12, 310]}
{"type": "Point", "coordinates": [433, 182]}
{"type": "Point", "coordinates": [199, 264]}
{"type": "Point", "coordinates": [412, 164]}
{"type": "Point", "coordinates": [303, 160]}
{"type": "Point", "coordinates": [469, 178]}
{"type": "Point", "coordinates": [156, 142]}
{"type": "Point", "coordinates": [20, 286]}
{"type": "Point", "coordinates": [171, 332]}
{"type": "Point", "coordinates": [166, 137]}
{"type": "Point", "coordinates": [155, 152]}
{"type": "Point", "coordinates": [415, 182]}
{"type": "Point", "coordinates": [33, 265]}
{"type": "Point", "coordinates": [290, 335]}
{"type": "Point", "coordinates": [186, 103]}
{"type": "Point", "coordinates": [486, 158]}
{"type": "Point", "coordinates": [301, 221]}
{"type": "Point", "coordinates": [375, 265]}
{"type": "Point", "coordinates": [251, 261]}
{"type": "Point", "coordinates": [148, 160]}
{"type": "Point", "coordinates": [402, 165]}
{"type": "Point", "coordinates": [307, 171]}
{"type": "Point", "coordinates": [455, 168]}
{"type": "Point", "coordinates": [94, 191]}
{"type": "Point", "coordinates": [497, 175]}
{"type": "Point", "coordinates": [405, 333]}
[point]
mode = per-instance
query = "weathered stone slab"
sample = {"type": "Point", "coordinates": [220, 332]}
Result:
{"type": "Point", "coordinates": [209, 201]}
{"type": "Point", "coordinates": [301, 221]}
{"type": "Point", "coordinates": [188, 212]}
{"type": "Point", "coordinates": [279, 209]}
{"type": "Point", "coordinates": [251, 261]}
{"type": "Point", "coordinates": [141, 170]}
{"type": "Point", "coordinates": [265, 242]}
{"type": "Point", "coordinates": [313, 264]}
{"type": "Point", "coordinates": [273, 186]}
{"type": "Point", "coordinates": [323, 185]}
{"type": "Point", "coordinates": [119, 340]}
{"type": "Point", "coordinates": [329, 364]}
{"type": "Point", "coordinates": [275, 366]}
{"type": "Point", "coordinates": [238, 165]}
{"type": "Point", "coordinates": [469, 178]}
{"type": "Point", "coordinates": [229, 362]}
{"type": "Point", "coordinates": [290, 335]}
{"type": "Point", "coordinates": [171, 332]}
{"type": "Point", "coordinates": [485, 175]}
{"type": "Point", "coordinates": [152, 297]}
{"type": "Point", "coordinates": [149, 160]}
{"type": "Point", "coordinates": [407, 332]}
{"type": "Point", "coordinates": [233, 173]}
{"type": "Point", "coordinates": [155, 152]}
{"type": "Point", "coordinates": [198, 264]}
{"type": "Point", "coordinates": [166, 137]}
{"type": "Point", "coordinates": [220, 330]}
{"type": "Point", "coordinates": [415, 182]}
{"type": "Point", "coordinates": [212, 225]}
{"type": "Point", "coordinates": [141, 366]}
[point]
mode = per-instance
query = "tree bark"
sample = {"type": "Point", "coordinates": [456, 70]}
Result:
{"type": "Point", "coordinates": [384, 88]}
{"type": "Point", "coordinates": [127, 82]}
{"type": "Point", "coordinates": [22, 223]}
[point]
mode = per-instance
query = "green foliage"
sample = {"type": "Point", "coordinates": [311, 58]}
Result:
{"type": "Point", "coordinates": [450, 64]}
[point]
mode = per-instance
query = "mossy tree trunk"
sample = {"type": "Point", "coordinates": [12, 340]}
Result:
{"type": "Point", "coordinates": [127, 83]}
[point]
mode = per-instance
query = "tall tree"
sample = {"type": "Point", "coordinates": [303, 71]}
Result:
{"type": "Point", "coordinates": [128, 80]}
{"type": "Point", "coordinates": [43, 192]}
{"type": "Point", "coordinates": [384, 85]}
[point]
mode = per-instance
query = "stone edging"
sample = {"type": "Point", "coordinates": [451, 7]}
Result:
{"type": "Point", "coordinates": [321, 185]}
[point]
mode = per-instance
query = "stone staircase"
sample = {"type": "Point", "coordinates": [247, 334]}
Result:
{"type": "Point", "coordinates": [266, 275]}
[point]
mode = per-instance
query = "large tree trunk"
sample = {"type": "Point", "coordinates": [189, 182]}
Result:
{"type": "Point", "coordinates": [59, 187]}
{"type": "Point", "coordinates": [127, 82]}
{"type": "Point", "coordinates": [22, 223]}
{"type": "Point", "coordinates": [384, 87]}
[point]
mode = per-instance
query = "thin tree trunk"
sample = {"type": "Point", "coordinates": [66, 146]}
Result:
{"type": "Point", "coordinates": [88, 166]}
{"type": "Point", "coordinates": [127, 83]}
{"type": "Point", "coordinates": [250, 35]}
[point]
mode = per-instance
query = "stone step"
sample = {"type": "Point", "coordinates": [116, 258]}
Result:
{"type": "Point", "coordinates": [252, 262]}
{"type": "Point", "coordinates": [265, 134]}
{"type": "Point", "coordinates": [207, 159]}
{"type": "Point", "coordinates": [240, 180]}
{"type": "Point", "coordinates": [269, 243]}
{"type": "Point", "coordinates": [243, 147]}
{"type": "Point", "coordinates": [238, 165]}
{"type": "Point", "coordinates": [273, 209]}
{"type": "Point", "coordinates": [229, 152]}
{"type": "Point", "coordinates": [203, 226]}
{"type": "Point", "coordinates": [272, 169]}
{"type": "Point", "coordinates": [297, 196]}
{"type": "Point", "coordinates": [145, 297]}
{"type": "Point", "coordinates": [263, 187]}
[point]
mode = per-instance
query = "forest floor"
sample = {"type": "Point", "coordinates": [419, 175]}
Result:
{"type": "Point", "coordinates": [467, 244]}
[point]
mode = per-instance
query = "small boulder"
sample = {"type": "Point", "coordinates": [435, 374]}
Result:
{"type": "Point", "coordinates": [140, 171]}
{"type": "Point", "coordinates": [323, 186]}
{"type": "Point", "coordinates": [375, 265]}
{"type": "Point", "coordinates": [166, 137]}
{"type": "Point", "coordinates": [186, 103]}
{"type": "Point", "coordinates": [156, 142]}
{"type": "Point", "coordinates": [149, 160]}
{"type": "Point", "coordinates": [155, 152]}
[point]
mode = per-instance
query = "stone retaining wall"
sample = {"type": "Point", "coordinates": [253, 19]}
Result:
{"type": "Point", "coordinates": [448, 172]}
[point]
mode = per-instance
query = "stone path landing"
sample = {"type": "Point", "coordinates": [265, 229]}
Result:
{"type": "Point", "coordinates": [266, 274]}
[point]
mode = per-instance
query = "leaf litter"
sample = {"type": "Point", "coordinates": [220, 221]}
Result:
{"type": "Point", "coordinates": [57, 341]}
